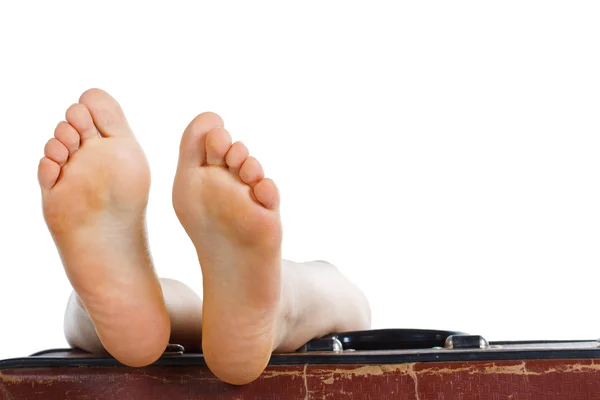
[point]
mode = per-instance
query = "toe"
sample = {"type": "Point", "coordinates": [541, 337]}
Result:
{"type": "Point", "coordinates": [237, 154]}
{"type": "Point", "coordinates": [267, 194]}
{"type": "Point", "coordinates": [106, 112]}
{"type": "Point", "coordinates": [68, 136]}
{"type": "Point", "coordinates": [251, 171]}
{"type": "Point", "coordinates": [80, 118]}
{"type": "Point", "coordinates": [218, 142]}
{"type": "Point", "coordinates": [192, 151]}
{"type": "Point", "coordinates": [48, 172]}
{"type": "Point", "coordinates": [56, 151]}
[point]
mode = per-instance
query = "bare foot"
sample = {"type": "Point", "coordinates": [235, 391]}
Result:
{"type": "Point", "coordinates": [230, 211]}
{"type": "Point", "coordinates": [95, 182]}
{"type": "Point", "coordinates": [185, 313]}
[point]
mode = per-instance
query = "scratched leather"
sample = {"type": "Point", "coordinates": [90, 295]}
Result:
{"type": "Point", "coordinates": [527, 380]}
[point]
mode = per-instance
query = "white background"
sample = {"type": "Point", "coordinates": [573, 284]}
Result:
{"type": "Point", "coordinates": [445, 155]}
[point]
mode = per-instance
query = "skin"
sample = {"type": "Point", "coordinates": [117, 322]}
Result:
{"type": "Point", "coordinates": [95, 182]}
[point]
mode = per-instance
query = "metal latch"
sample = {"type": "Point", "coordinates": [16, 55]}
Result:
{"type": "Point", "coordinates": [324, 344]}
{"type": "Point", "coordinates": [466, 342]}
{"type": "Point", "coordinates": [173, 350]}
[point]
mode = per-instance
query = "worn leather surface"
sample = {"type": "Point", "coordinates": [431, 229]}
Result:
{"type": "Point", "coordinates": [531, 380]}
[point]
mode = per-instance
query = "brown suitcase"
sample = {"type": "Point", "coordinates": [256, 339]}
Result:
{"type": "Point", "coordinates": [386, 364]}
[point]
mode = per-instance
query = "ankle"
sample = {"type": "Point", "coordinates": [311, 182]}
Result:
{"type": "Point", "coordinates": [287, 314]}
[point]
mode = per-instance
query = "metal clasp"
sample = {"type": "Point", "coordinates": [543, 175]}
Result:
{"type": "Point", "coordinates": [173, 350]}
{"type": "Point", "coordinates": [466, 342]}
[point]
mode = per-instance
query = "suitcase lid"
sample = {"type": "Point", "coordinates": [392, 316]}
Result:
{"type": "Point", "coordinates": [388, 346]}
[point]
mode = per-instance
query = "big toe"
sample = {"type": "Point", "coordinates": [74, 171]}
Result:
{"type": "Point", "coordinates": [192, 151]}
{"type": "Point", "coordinates": [106, 112]}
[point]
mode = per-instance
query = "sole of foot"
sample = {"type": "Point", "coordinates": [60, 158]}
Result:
{"type": "Point", "coordinates": [231, 213]}
{"type": "Point", "coordinates": [95, 182]}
